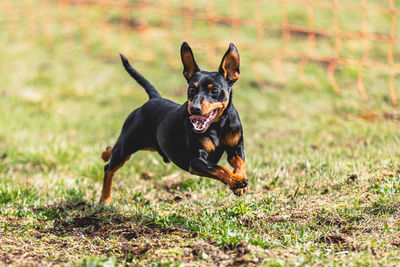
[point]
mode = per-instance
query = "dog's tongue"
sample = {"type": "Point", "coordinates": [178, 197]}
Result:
{"type": "Point", "coordinates": [204, 117]}
{"type": "Point", "coordinates": [198, 117]}
{"type": "Point", "coordinates": [201, 122]}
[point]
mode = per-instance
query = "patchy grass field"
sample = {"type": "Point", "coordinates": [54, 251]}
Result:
{"type": "Point", "coordinates": [323, 169]}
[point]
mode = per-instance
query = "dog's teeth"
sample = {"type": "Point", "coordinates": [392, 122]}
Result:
{"type": "Point", "coordinates": [200, 123]}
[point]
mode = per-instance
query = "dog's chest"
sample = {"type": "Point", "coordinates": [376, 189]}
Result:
{"type": "Point", "coordinates": [214, 147]}
{"type": "Point", "coordinates": [210, 143]}
{"type": "Point", "coordinates": [215, 141]}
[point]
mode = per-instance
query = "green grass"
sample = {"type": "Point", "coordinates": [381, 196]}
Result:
{"type": "Point", "coordinates": [323, 169]}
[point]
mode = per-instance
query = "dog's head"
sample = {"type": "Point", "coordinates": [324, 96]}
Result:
{"type": "Point", "coordinates": [209, 92]}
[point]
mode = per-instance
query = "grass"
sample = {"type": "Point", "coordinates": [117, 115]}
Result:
{"type": "Point", "coordinates": [323, 168]}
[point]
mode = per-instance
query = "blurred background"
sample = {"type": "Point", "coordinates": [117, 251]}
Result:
{"type": "Point", "coordinates": [317, 96]}
{"type": "Point", "coordinates": [279, 40]}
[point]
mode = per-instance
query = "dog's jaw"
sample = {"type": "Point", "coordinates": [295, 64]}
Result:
{"type": "Point", "coordinates": [202, 122]}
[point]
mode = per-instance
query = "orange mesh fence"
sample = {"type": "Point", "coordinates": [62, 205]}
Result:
{"type": "Point", "coordinates": [298, 29]}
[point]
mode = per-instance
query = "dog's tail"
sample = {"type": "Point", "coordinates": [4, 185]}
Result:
{"type": "Point", "coordinates": [106, 154]}
{"type": "Point", "coordinates": [150, 90]}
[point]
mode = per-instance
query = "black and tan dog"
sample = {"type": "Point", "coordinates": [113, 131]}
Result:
{"type": "Point", "coordinates": [193, 135]}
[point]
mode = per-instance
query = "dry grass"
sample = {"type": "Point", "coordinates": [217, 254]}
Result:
{"type": "Point", "coordinates": [323, 169]}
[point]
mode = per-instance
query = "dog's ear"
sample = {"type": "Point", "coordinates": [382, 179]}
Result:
{"type": "Point", "coordinates": [189, 64]}
{"type": "Point", "coordinates": [229, 67]}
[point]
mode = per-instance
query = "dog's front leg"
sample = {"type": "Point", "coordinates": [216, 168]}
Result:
{"type": "Point", "coordinates": [236, 160]}
{"type": "Point", "coordinates": [203, 167]}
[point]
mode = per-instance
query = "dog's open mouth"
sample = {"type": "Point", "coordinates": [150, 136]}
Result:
{"type": "Point", "coordinates": [202, 122]}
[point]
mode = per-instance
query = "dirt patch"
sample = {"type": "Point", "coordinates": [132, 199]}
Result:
{"type": "Point", "coordinates": [235, 255]}
{"type": "Point", "coordinates": [395, 243]}
{"type": "Point", "coordinates": [339, 240]}
{"type": "Point", "coordinates": [350, 230]}
{"type": "Point", "coordinates": [98, 225]}
{"type": "Point", "coordinates": [118, 237]}
{"type": "Point", "coordinates": [330, 220]}
{"type": "Point", "coordinates": [332, 239]}
{"type": "Point", "coordinates": [19, 256]}
{"type": "Point", "coordinates": [203, 249]}
{"type": "Point", "coordinates": [351, 178]}
{"type": "Point", "coordinates": [86, 222]}
{"type": "Point", "coordinates": [123, 238]}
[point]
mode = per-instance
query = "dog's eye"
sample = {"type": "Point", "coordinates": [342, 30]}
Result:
{"type": "Point", "coordinates": [214, 91]}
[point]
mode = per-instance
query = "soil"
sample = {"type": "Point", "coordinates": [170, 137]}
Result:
{"type": "Point", "coordinates": [124, 238]}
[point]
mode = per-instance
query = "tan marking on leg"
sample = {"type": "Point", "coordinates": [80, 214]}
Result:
{"type": "Point", "coordinates": [106, 192]}
{"type": "Point", "coordinates": [239, 166]}
{"type": "Point", "coordinates": [208, 144]}
{"type": "Point", "coordinates": [235, 182]}
{"type": "Point", "coordinates": [108, 175]}
{"type": "Point", "coordinates": [226, 176]}
{"type": "Point", "coordinates": [231, 139]}
{"type": "Point", "coordinates": [106, 153]}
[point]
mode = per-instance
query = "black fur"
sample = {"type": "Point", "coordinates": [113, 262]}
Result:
{"type": "Point", "coordinates": [164, 126]}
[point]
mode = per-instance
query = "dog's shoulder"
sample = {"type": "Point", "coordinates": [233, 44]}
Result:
{"type": "Point", "coordinates": [233, 130]}
{"type": "Point", "coordinates": [232, 119]}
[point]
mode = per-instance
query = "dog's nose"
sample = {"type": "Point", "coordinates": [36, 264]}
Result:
{"type": "Point", "coordinates": [195, 109]}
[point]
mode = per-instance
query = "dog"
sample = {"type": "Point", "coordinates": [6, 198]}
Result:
{"type": "Point", "coordinates": [193, 135]}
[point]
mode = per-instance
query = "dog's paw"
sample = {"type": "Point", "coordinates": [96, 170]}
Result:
{"type": "Point", "coordinates": [106, 201]}
{"type": "Point", "coordinates": [239, 192]}
{"type": "Point", "coordinates": [239, 188]}
{"type": "Point", "coordinates": [240, 184]}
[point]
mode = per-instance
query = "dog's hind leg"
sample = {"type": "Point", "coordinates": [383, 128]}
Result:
{"type": "Point", "coordinates": [116, 162]}
{"type": "Point", "coordinates": [106, 153]}
{"type": "Point", "coordinates": [134, 136]}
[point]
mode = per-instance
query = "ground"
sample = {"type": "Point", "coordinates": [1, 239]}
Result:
{"type": "Point", "coordinates": [323, 169]}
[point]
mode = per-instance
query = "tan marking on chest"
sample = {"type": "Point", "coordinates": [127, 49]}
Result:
{"type": "Point", "coordinates": [232, 138]}
{"type": "Point", "coordinates": [208, 144]}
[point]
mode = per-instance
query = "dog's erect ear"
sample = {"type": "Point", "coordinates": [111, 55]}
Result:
{"type": "Point", "coordinates": [189, 64]}
{"type": "Point", "coordinates": [229, 67]}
